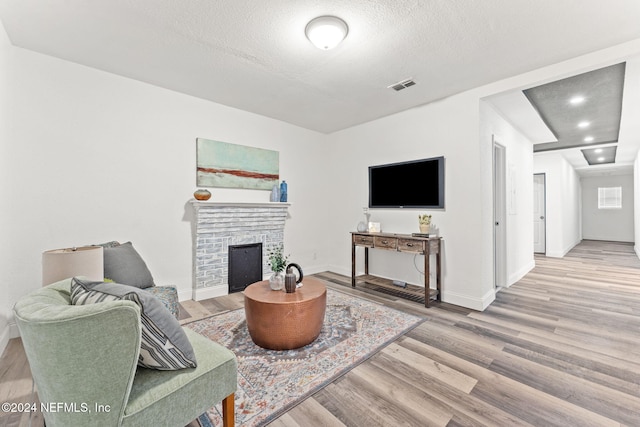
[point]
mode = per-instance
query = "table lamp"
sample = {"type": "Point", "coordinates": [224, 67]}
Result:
{"type": "Point", "coordinates": [59, 264]}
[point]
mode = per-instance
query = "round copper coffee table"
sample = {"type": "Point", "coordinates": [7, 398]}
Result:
{"type": "Point", "coordinates": [280, 321]}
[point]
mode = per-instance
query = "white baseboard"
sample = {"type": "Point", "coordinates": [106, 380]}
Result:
{"type": "Point", "coordinates": [185, 295]}
{"type": "Point", "coordinates": [462, 300]}
{"type": "Point", "coordinates": [478, 304]}
{"type": "Point", "coordinates": [562, 253]}
{"type": "Point", "coordinates": [558, 254]}
{"type": "Point", "coordinates": [14, 332]}
{"type": "Point", "coordinates": [515, 277]}
{"type": "Point", "coordinates": [10, 331]}
{"type": "Point", "coordinates": [4, 338]}
{"type": "Point", "coordinates": [339, 270]}
{"type": "Point", "coordinates": [211, 292]}
{"type": "Point", "coordinates": [316, 269]}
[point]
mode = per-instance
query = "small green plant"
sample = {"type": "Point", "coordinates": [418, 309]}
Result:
{"type": "Point", "coordinates": [424, 219]}
{"type": "Point", "coordinates": [277, 260]}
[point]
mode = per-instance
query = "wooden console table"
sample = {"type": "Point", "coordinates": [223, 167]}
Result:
{"type": "Point", "coordinates": [399, 243]}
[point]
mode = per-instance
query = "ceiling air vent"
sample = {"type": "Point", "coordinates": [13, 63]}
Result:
{"type": "Point", "coordinates": [401, 85]}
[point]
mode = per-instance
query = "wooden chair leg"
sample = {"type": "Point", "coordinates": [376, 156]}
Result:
{"type": "Point", "coordinates": [228, 411]}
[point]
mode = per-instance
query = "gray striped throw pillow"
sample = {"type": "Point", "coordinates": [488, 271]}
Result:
{"type": "Point", "coordinates": [164, 344]}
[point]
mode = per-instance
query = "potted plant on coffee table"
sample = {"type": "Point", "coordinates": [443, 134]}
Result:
{"type": "Point", "coordinates": [277, 262]}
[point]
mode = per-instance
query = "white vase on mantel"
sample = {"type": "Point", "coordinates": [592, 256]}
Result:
{"type": "Point", "coordinates": [275, 194]}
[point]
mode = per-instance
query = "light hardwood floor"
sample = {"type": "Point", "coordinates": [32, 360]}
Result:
{"type": "Point", "coordinates": [559, 348]}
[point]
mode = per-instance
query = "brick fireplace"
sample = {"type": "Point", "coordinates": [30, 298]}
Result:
{"type": "Point", "coordinates": [218, 225]}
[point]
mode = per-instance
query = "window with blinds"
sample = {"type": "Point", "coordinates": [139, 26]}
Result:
{"type": "Point", "coordinates": [610, 198]}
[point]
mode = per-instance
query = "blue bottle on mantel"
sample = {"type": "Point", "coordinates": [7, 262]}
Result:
{"type": "Point", "coordinates": [283, 191]}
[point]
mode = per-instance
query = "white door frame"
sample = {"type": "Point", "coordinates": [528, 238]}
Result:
{"type": "Point", "coordinates": [499, 214]}
{"type": "Point", "coordinates": [540, 218]}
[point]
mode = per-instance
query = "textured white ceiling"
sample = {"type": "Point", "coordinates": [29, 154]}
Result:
{"type": "Point", "coordinates": [253, 55]}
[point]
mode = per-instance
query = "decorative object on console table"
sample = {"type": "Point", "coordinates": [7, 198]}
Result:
{"type": "Point", "coordinates": [362, 225]}
{"type": "Point", "coordinates": [374, 227]}
{"type": "Point", "coordinates": [277, 262]}
{"type": "Point", "coordinates": [202, 194]}
{"type": "Point", "coordinates": [424, 222]}
{"type": "Point", "coordinates": [59, 264]}
{"type": "Point", "coordinates": [406, 243]}
{"type": "Point", "coordinates": [283, 191]}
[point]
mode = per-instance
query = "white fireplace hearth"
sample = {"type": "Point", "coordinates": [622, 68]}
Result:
{"type": "Point", "coordinates": [218, 225]}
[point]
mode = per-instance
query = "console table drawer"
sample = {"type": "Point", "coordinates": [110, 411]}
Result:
{"type": "Point", "coordinates": [385, 242]}
{"type": "Point", "coordinates": [410, 245]}
{"type": "Point", "coordinates": [361, 240]}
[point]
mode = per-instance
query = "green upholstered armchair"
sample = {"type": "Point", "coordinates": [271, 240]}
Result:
{"type": "Point", "coordinates": [83, 359]}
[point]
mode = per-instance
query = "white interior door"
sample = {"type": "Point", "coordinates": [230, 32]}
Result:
{"type": "Point", "coordinates": [539, 215]}
{"type": "Point", "coordinates": [499, 215]}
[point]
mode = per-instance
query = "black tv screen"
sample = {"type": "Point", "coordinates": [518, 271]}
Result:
{"type": "Point", "coordinates": [413, 184]}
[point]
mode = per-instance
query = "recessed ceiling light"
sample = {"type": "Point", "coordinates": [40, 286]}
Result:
{"type": "Point", "coordinates": [601, 159]}
{"type": "Point", "coordinates": [578, 99]}
{"type": "Point", "coordinates": [583, 124]}
{"type": "Point", "coordinates": [588, 139]}
{"type": "Point", "coordinates": [598, 150]}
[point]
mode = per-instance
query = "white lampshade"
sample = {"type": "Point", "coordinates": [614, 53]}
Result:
{"type": "Point", "coordinates": [59, 264]}
{"type": "Point", "coordinates": [326, 32]}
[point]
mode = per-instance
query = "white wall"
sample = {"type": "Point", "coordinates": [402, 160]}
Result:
{"type": "Point", "coordinates": [6, 303]}
{"type": "Point", "coordinates": [95, 157]}
{"type": "Point", "coordinates": [563, 203]}
{"type": "Point", "coordinates": [519, 183]}
{"type": "Point", "coordinates": [608, 224]}
{"type": "Point", "coordinates": [446, 128]}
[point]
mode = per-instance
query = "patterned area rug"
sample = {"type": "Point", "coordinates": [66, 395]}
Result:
{"type": "Point", "coordinates": [272, 382]}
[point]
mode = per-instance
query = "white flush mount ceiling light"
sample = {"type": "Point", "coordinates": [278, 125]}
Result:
{"type": "Point", "coordinates": [326, 32]}
{"type": "Point", "coordinates": [584, 124]}
{"type": "Point", "coordinates": [588, 139]}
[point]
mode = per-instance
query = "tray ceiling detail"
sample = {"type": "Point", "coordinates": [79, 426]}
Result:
{"type": "Point", "coordinates": [581, 110]}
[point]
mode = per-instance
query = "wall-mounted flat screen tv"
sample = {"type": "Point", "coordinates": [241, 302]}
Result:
{"type": "Point", "coordinates": [413, 184]}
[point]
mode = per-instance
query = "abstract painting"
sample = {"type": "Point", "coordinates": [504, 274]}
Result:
{"type": "Point", "coordinates": [221, 164]}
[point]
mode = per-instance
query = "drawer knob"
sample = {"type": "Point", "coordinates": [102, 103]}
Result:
{"type": "Point", "coordinates": [410, 245]}
{"type": "Point", "coordinates": [384, 242]}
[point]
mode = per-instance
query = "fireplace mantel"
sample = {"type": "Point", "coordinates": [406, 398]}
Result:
{"type": "Point", "coordinates": [200, 203]}
{"type": "Point", "coordinates": [217, 225]}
